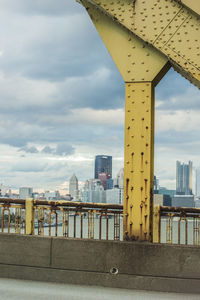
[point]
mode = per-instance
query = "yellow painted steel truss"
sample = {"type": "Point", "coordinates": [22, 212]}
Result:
{"type": "Point", "coordinates": [145, 38]}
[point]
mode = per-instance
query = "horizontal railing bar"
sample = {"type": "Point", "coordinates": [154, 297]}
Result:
{"type": "Point", "coordinates": [64, 203]}
{"type": "Point", "coordinates": [79, 204]}
{"type": "Point", "coordinates": [166, 209]}
{"type": "Point", "coordinates": [187, 215]}
{"type": "Point", "coordinates": [15, 201]}
{"type": "Point", "coordinates": [80, 210]}
{"type": "Point", "coordinates": [8, 206]}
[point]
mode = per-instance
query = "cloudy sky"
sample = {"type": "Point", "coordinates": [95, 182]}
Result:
{"type": "Point", "coordinates": [62, 100]}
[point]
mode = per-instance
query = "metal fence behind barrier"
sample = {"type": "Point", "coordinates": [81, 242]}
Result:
{"type": "Point", "coordinates": [179, 225]}
{"type": "Point", "coordinates": [12, 215]}
{"type": "Point", "coordinates": [62, 218]}
{"type": "Point", "coordinates": [171, 225]}
{"type": "Point", "coordinates": [78, 220]}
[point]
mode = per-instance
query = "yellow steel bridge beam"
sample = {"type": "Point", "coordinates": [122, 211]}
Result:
{"type": "Point", "coordinates": [141, 67]}
{"type": "Point", "coordinates": [144, 38]}
{"type": "Point", "coordinates": [139, 160]}
{"type": "Point", "coordinates": [170, 26]}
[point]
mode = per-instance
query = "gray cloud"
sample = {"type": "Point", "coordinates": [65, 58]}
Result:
{"type": "Point", "coordinates": [64, 149]}
{"type": "Point", "coordinates": [48, 150]}
{"type": "Point", "coordinates": [61, 149]}
{"type": "Point", "coordinates": [28, 166]}
{"type": "Point", "coordinates": [44, 7]}
{"type": "Point", "coordinates": [29, 149]}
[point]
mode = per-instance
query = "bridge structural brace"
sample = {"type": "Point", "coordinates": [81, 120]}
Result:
{"type": "Point", "coordinates": [145, 38]}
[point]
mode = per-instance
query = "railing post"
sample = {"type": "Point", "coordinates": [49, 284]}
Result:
{"type": "Point", "coordinates": [156, 224]}
{"type": "Point", "coordinates": [29, 216]}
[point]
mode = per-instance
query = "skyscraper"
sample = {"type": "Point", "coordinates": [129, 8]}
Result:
{"type": "Point", "coordinates": [120, 179]}
{"type": "Point", "coordinates": [103, 164]}
{"type": "Point", "coordinates": [156, 185]}
{"type": "Point", "coordinates": [198, 182]}
{"type": "Point", "coordinates": [25, 192]}
{"type": "Point", "coordinates": [73, 187]}
{"type": "Point", "coordinates": [183, 178]}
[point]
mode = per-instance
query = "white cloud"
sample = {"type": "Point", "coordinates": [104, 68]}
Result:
{"type": "Point", "coordinates": [89, 116]}
{"type": "Point", "coordinates": [18, 92]}
{"type": "Point", "coordinates": [180, 120]}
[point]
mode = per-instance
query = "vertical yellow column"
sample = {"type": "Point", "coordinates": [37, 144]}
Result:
{"type": "Point", "coordinates": [141, 67]}
{"type": "Point", "coordinates": [156, 224]}
{"type": "Point", "coordinates": [29, 216]}
{"type": "Point", "coordinates": [139, 161]}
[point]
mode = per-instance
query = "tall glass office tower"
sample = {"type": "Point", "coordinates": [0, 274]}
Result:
{"type": "Point", "coordinates": [198, 182]}
{"type": "Point", "coordinates": [103, 164]}
{"type": "Point", "coordinates": [183, 178]}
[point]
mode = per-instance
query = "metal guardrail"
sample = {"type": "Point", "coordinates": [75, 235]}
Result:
{"type": "Point", "coordinates": [61, 218]}
{"type": "Point", "coordinates": [172, 225]}
{"type": "Point", "coordinates": [179, 225]}
{"type": "Point", "coordinates": [12, 214]}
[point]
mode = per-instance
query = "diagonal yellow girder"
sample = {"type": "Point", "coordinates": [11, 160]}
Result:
{"type": "Point", "coordinates": [135, 60]}
{"type": "Point", "coordinates": [168, 25]}
{"type": "Point", "coordinates": [191, 4]}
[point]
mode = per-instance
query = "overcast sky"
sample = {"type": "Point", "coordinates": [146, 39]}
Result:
{"type": "Point", "coordinates": [62, 100]}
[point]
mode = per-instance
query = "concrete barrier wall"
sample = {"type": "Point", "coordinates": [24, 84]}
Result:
{"type": "Point", "coordinates": [138, 265]}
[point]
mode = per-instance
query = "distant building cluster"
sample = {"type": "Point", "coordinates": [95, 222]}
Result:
{"type": "Point", "coordinates": [102, 188]}
{"type": "Point", "coordinates": [27, 192]}
{"type": "Point", "coordinates": [105, 189]}
{"type": "Point", "coordinates": [183, 196]}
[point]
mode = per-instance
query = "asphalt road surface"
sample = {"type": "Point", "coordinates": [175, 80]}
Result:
{"type": "Point", "coordinates": [28, 290]}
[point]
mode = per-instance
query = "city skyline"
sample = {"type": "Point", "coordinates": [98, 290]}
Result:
{"type": "Point", "coordinates": [187, 181]}
{"type": "Point", "coordinates": [51, 129]}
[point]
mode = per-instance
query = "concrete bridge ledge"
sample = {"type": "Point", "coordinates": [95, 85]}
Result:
{"type": "Point", "coordinates": [134, 265]}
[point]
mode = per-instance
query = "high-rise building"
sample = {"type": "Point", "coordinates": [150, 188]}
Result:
{"type": "Point", "coordinates": [183, 201]}
{"type": "Point", "coordinates": [156, 185]}
{"type": "Point", "coordinates": [165, 191]}
{"type": "Point", "coordinates": [198, 182]}
{"type": "Point", "coordinates": [103, 164]}
{"type": "Point", "coordinates": [52, 195]}
{"type": "Point", "coordinates": [114, 196]}
{"type": "Point", "coordinates": [92, 184]}
{"type": "Point", "coordinates": [93, 192]}
{"type": "Point", "coordinates": [73, 187]}
{"type": "Point", "coordinates": [119, 182]}
{"type": "Point", "coordinates": [183, 178]}
{"type": "Point", "coordinates": [25, 192]}
{"type": "Point", "coordinates": [109, 184]}
{"type": "Point", "coordinates": [103, 177]}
